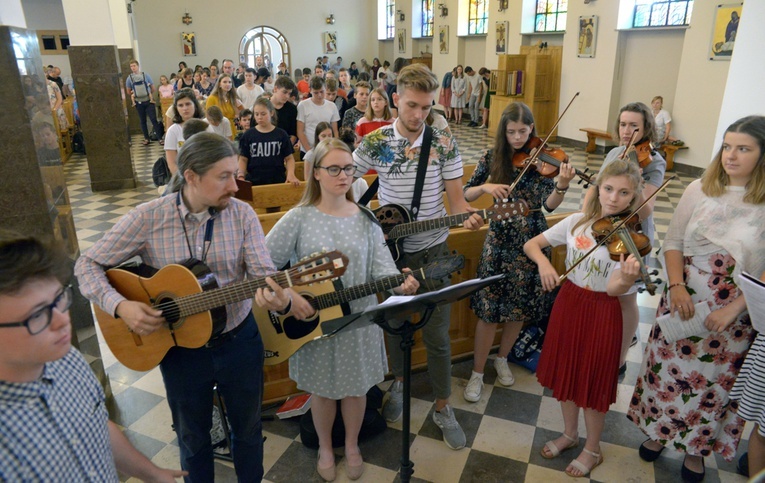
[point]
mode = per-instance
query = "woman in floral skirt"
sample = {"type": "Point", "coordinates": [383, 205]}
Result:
{"type": "Point", "coordinates": [681, 397]}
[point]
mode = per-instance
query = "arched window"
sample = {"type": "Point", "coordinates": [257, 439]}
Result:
{"type": "Point", "coordinates": [267, 43]}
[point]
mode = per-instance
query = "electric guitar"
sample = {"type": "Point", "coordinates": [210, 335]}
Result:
{"type": "Point", "coordinates": [284, 335]}
{"type": "Point", "coordinates": [192, 303]}
{"type": "Point", "coordinates": [396, 221]}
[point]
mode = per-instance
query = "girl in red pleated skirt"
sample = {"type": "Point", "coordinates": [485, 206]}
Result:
{"type": "Point", "coordinates": [580, 358]}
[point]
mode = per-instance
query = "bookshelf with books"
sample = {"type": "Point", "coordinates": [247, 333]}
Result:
{"type": "Point", "coordinates": [531, 77]}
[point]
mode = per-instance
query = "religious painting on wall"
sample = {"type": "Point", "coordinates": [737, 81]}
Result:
{"type": "Point", "coordinates": [725, 29]}
{"type": "Point", "coordinates": [443, 39]}
{"type": "Point", "coordinates": [401, 36]}
{"type": "Point", "coordinates": [588, 32]}
{"type": "Point", "coordinates": [502, 28]}
{"type": "Point", "coordinates": [330, 42]}
{"type": "Point", "coordinates": [189, 43]}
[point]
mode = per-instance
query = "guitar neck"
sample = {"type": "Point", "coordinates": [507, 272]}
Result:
{"type": "Point", "coordinates": [414, 227]}
{"type": "Point", "coordinates": [331, 299]}
{"type": "Point", "coordinates": [218, 297]}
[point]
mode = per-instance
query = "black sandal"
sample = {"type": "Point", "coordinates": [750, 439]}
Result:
{"type": "Point", "coordinates": [649, 455]}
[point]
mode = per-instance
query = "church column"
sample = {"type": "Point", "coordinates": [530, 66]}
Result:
{"type": "Point", "coordinates": [99, 83]}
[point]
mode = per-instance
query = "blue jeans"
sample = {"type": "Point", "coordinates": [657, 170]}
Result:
{"type": "Point", "coordinates": [237, 367]}
{"type": "Point", "coordinates": [143, 109]}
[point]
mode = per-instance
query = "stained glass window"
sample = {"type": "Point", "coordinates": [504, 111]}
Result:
{"type": "Point", "coordinates": [427, 18]}
{"type": "Point", "coordinates": [390, 20]}
{"type": "Point", "coordinates": [478, 17]}
{"type": "Point", "coordinates": [551, 16]}
{"type": "Point", "coordinates": [665, 13]}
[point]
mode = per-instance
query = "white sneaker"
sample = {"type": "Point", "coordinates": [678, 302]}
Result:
{"type": "Point", "coordinates": [394, 406]}
{"type": "Point", "coordinates": [504, 374]}
{"type": "Point", "coordinates": [474, 388]}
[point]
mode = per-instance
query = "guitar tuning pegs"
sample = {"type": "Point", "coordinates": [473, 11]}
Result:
{"type": "Point", "coordinates": [654, 273]}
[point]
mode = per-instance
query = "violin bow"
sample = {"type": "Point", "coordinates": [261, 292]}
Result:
{"type": "Point", "coordinates": [616, 228]}
{"type": "Point", "coordinates": [534, 156]}
{"type": "Point", "coordinates": [630, 145]}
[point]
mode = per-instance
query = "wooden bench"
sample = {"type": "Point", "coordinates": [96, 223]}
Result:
{"type": "Point", "coordinates": [669, 151]}
{"type": "Point", "coordinates": [592, 135]}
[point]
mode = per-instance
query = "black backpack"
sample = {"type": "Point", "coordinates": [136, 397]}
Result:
{"type": "Point", "coordinates": [78, 143]}
{"type": "Point", "coordinates": [156, 134]}
{"type": "Point", "coordinates": [160, 172]}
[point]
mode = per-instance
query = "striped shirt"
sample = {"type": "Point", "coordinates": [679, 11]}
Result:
{"type": "Point", "coordinates": [154, 232]}
{"type": "Point", "coordinates": [395, 160]}
{"type": "Point", "coordinates": [55, 428]}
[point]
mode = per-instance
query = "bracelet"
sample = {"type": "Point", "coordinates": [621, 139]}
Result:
{"type": "Point", "coordinates": [285, 310]}
{"type": "Point", "coordinates": [547, 208]}
{"type": "Point", "coordinates": [561, 191]}
{"type": "Point", "coordinates": [678, 284]}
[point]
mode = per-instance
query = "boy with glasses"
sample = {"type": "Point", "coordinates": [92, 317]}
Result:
{"type": "Point", "coordinates": [53, 419]}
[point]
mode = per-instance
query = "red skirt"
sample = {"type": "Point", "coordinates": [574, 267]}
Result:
{"type": "Point", "coordinates": [445, 99]}
{"type": "Point", "coordinates": [580, 355]}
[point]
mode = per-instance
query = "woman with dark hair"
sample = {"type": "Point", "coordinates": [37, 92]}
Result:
{"type": "Point", "coordinates": [519, 298]}
{"type": "Point", "coordinates": [186, 107]}
{"type": "Point", "coordinates": [681, 397]}
{"type": "Point", "coordinates": [344, 367]}
{"type": "Point", "coordinates": [374, 70]}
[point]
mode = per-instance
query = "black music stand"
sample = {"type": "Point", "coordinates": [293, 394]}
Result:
{"type": "Point", "coordinates": [425, 303]}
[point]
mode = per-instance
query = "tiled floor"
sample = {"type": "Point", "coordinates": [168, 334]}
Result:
{"type": "Point", "coordinates": [505, 429]}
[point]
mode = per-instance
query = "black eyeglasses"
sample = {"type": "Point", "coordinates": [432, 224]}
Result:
{"type": "Point", "coordinates": [334, 171]}
{"type": "Point", "coordinates": [40, 320]}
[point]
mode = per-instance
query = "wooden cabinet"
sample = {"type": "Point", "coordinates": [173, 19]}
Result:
{"type": "Point", "coordinates": [541, 86]}
{"type": "Point", "coordinates": [426, 59]}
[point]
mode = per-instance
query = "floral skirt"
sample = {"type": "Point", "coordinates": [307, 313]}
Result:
{"type": "Point", "coordinates": [681, 397]}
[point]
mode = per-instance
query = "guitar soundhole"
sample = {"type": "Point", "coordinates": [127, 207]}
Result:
{"type": "Point", "coordinates": [170, 310]}
{"type": "Point", "coordinates": [297, 329]}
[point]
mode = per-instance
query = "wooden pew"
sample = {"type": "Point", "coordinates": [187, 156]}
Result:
{"type": "Point", "coordinates": [468, 243]}
{"type": "Point", "coordinates": [592, 135]}
{"type": "Point", "coordinates": [669, 151]}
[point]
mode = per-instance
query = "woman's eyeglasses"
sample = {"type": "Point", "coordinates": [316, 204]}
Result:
{"type": "Point", "coordinates": [334, 171]}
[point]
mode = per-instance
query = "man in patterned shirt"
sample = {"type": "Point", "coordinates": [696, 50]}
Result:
{"type": "Point", "coordinates": [394, 152]}
{"type": "Point", "coordinates": [53, 420]}
{"type": "Point", "coordinates": [174, 228]}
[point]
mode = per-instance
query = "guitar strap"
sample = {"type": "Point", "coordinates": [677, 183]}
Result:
{"type": "Point", "coordinates": [422, 168]}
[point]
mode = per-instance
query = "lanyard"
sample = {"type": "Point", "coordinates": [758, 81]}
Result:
{"type": "Point", "coordinates": [208, 230]}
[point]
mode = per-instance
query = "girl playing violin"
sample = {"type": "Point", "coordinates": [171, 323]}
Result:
{"type": "Point", "coordinates": [519, 298]}
{"type": "Point", "coordinates": [580, 358]}
{"type": "Point", "coordinates": [637, 118]}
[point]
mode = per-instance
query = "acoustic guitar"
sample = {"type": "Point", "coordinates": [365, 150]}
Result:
{"type": "Point", "coordinates": [192, 303]}
{"type": "Point", "coordinates": [284, 335]}
{"type": "Point", "coordinates": [396, 221]}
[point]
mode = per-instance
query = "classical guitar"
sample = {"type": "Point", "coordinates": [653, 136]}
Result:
{"type": "Point", "coordinates": [192, 304]}
{"type": "Point", "coordinates": [284, 335]}
{"type": "Point", "coordinates": [396, 221]}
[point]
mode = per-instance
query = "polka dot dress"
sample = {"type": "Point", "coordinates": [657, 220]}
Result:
{"type": "Point", "coordinates": [354, 360]}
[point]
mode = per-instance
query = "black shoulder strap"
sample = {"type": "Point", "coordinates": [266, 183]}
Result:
{"type": "Point", "coordinates": [369, 214]}
{"type": "Point", "coordinates": [370, 192]}
{"type": "Point", "coordinates": [422, 169]}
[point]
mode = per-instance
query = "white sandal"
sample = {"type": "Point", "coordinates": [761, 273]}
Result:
{"type": "Point", "coordinates": [555, 451]}
{"type": "Point", "coordinates": [581, 467]}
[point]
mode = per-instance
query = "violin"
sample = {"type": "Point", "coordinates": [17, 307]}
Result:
{"type": "Point", "coordinates": [638, 152]}
{"type": "Point", "coordinates": [548, 161]}
{"type": "Point", "coordinates": [625, 242]}
{"type": "Point", "coordinates": [552, 157]}
{"type": "Point", "coordinates": [628, 239]}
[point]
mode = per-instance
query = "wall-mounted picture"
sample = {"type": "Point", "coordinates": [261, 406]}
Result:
{"type": "Point", "coordinates": [401, 36]}
{"type": "Point", "coordinates": [588, 33]}
{"type": "Point", "coordinates": [502, 28]}
{"type": "Point", "coordinates": [443, 39]}
{"type": "Point", "coordinates": [330, 42]}
{"type": "Point", "coordinates": [189, 43]}
{"type": "Point", "coordinates": [725, 29]}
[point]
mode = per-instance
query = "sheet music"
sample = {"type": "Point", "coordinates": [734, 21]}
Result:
{"type": "Point", "coordinates": [674, 328]}
{"type": "Point", "coordinates": [754, 291]}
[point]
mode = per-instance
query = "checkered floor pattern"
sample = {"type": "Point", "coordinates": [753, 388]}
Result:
{"type": "Point", "coordinates": [505, 430]}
